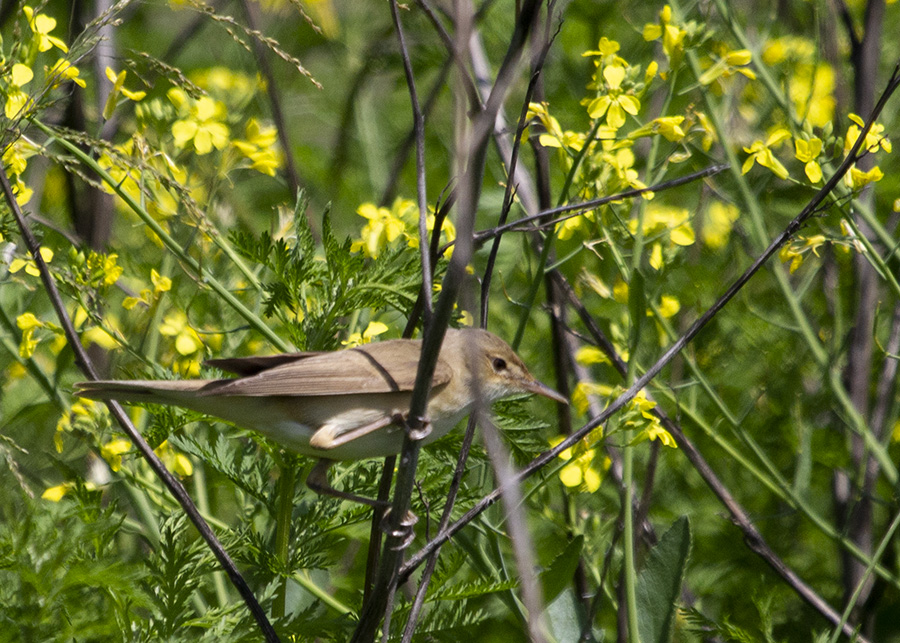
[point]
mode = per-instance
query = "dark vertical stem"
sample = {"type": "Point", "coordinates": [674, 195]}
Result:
{"type": "Point", "coordinates": [251, 12]}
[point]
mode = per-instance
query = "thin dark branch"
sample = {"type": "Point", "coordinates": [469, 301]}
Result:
{"type": "Point", "coordinates": [511, 172]}
{"type": "Point", "coordinates": [455, 56]}
{"type": "Point", "coordinates": [251, 10]}
{"type": "Point", "coordinates": [390, 188]}
{"type": "Point", "coordinates": [576, 209]}
{"type": "Point", "coordinates": [431, 563]}
{"type": "Point", "coordinates": [186, 35]}
{"type": "Point", "coordinates": [168, 479]}
{"type": "Point", "coordinates": [421, 194]}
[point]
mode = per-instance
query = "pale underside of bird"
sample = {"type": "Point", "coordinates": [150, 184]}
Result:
{"type": "Point", "coordinates": [343, 405]}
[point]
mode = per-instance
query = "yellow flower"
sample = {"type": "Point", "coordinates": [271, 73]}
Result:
{"type": "Point", "coordinates": [656, 257]}
{"type": "Point", "coordinates": [587, 355]}
{"type": "Point", "coordinates": [63, 70]}
{"type": "Point", "coordinates": [202, 127]}
{"type": "Point", "coordinates": [42, 25]}
{"type": "Point", "coordinates": [605, 47]}
{"type": "Point", "coordinates": [374, 329]}
{"type": "Point", "coordinates": [21, 75]}
{"type": "Point", "coordinates": [653, 429]}
{"type": "Point", "coordinates": [856, 179]}
{"type": "Point", "coordinates": [118, 81]}
{"type": "Point", "coordinates": [29, 265]}
{"type": "Point", "coordinates": [658, 218]}
{"type": "Point", "coordinates": [729, 63]}
{"type": "Point", "coordinates": [795, 251]}
{"type": "Point", "coordinates": [672, 35]}
{"type": "Point", "coordinates": [709, 132]}
{"type": "Point", "coordinates": [55, 494]}
{"type": "Point", "coordinates": [807, 152]}
{"type": "Point", "coordinates": [100, 337]}
{"type": "Point", "coordinates": [382, 228]}
{"type": "Point", "coordinates": [582, 472]}
{"type": "Point", "coordinates": [669, 306]}
{"type": "Point", "coordinates": [147, 296]}
{"type": "Point", "coordinates": [260, 147]}
{"type": "Point", "coordinates": [614, 103]}
{"type": "Point", "coordinates": [583, 390]}
{"type": "Point", "coordinates": [669, 127]}
{"type": "Point", "coordinates": [761, 152]}
{"type": "Point", "coordinates": [656, 432]}
{"type": "Point", "coordinates": [874, 139]}
{"type": "Point", "coordinates": [187, 341]}
{"type": "Point", "coordinates": [112, 452]}
{"type": "Point", "coordinates": [28, 324]}
{"type": "Point", "coordinates": [720, 218]}
{"type": "Point", "coordinates": [17, 100]}
{"type": "Point", "coordinates": [175, 461]}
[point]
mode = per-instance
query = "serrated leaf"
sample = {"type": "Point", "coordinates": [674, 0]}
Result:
{"type": "Point", "coordinates": [561, 571]}
{"type": "Point", "coordinates": [659, 583]}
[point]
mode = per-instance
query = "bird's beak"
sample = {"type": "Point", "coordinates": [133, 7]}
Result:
{"type": "Point", "coordinates": [540, 389]}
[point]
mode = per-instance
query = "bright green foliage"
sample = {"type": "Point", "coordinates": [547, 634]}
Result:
{"type": "Point", "coordinates": [318, 292]}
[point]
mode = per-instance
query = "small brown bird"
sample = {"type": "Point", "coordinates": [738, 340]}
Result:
{"type": "Point", "coordinates": [341, 405]}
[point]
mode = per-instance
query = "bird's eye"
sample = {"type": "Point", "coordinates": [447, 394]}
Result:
{"type": "Point", "coordinates": [499, 364]}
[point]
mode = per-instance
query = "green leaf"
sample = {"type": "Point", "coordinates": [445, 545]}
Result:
{"type": "Point", "coordinates": [659, 583]}
{"type": "Point", "coordinates": [561, 571]}
{"type": "Point", "coordinates": [564, 617]}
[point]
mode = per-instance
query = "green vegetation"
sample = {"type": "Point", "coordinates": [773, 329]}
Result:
{"type": "Point", "coordinates": [215, 179]}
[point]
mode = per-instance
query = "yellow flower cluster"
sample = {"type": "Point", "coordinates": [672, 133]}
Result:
{"type": "Point", "coordinates": [374, 329]}
{"type": "Point", "coordinates": [148, 297]}
{"type": "Point", "coordinates": [384, 226]}
{"type": "Point", "coordinates": [585, 468]}
{"type": "Point", "coordinates": [649, 425]}
{"type": "Point", "coordinates": [810, 80]}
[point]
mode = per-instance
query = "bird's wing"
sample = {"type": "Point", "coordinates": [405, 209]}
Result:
{"type": "Point", "coordinates": [245, 366]}
{"type": "Point", "coordinates": [385, 367]}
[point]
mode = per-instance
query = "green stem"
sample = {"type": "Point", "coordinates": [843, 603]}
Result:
{"type": "Point", "coordinates": [628, 542]}
{"type": "Point", "coordinates": [888, 537]}
{"type": "Point", "coordinates": [200, 488]}
{"type": "Point", "coordinates": [286, 485]}
{"type": "Point", "coordinates": [302, 578]}
{"type": "Point", "coordinates": [774, 481]}
{"type": "Point", "coordinates": [536, 282]}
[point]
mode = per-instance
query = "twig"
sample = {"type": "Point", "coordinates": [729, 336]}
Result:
{"type": "Point", "coordinates": [421, 194]}
{"type": "Point", "coordinates": [262, 60]}
{"type": "Point", "coordinates": [576, 209]}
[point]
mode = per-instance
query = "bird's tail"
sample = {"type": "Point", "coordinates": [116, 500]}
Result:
{"type": "Point", "coordinates": [176, 392]}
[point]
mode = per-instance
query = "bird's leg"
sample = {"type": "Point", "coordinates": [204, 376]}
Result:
{"type": "Point", "coordinates": [317, 480]}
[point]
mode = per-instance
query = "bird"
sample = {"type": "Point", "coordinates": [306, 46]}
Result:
{"type": "Point", "coordinates": [343, 405]}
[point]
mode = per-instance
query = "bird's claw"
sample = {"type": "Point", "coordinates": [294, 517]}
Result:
{"type": "Point", "coordinates": [416, 434]}
{"type": "Point", "coordinates": [405, 532]}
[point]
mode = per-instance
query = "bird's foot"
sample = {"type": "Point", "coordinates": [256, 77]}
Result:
{"type": "Point", "coordinates": [404, 532]}
{"type": "Point", "coordinates": [415, 434]}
